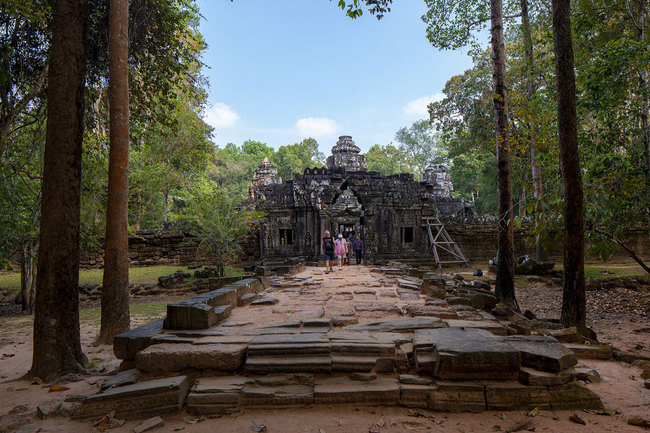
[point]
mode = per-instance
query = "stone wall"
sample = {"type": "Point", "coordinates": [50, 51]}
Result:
{"type": "Point", "coordinates": [476, 240]}
{"type": "Point", "coordinates": [479, 242]}
{"type": "Point", "coordinates": [153, 247]}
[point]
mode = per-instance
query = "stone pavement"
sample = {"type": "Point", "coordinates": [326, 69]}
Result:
{"type": "Point", "coordinates": [382, 336]}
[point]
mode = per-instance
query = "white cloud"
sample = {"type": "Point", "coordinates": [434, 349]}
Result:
{"type": "Point", "coordinates": [316, 127]}
{"type": "Point", "coordinates": [221, 116]}
{"type": "Point", "coordinates": [418, 107]}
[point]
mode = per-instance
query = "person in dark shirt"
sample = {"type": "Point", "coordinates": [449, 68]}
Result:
{"type": "Point", "coordinates": [357, 246]}
{"type": "Point", "coordinates": [328, 251]}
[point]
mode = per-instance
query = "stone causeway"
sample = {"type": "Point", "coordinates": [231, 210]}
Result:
{"type": "Point", "coordinates": [393, 335]}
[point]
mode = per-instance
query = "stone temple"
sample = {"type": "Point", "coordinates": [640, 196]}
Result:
{"type": "Point", "coordinates": [388, 212]}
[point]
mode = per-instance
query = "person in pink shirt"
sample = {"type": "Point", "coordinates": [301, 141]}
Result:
{"type": "Point", "coordinates": [339, 249]}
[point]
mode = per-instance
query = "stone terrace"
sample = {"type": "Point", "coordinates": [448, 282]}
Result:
{"type": "Point", "coordinates": [360, 335]}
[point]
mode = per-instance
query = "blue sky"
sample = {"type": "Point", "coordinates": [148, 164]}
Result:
{"type": "Point", "coordinates": [284, 70]}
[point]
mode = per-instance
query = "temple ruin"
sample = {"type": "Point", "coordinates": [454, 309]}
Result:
{"type": "Point", "coordinates": [390, 213]}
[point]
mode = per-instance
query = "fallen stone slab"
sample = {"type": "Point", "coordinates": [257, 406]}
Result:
{"type": "Point", "coordinates": [120, 379]}
{"type": "Point", "coordinates": [566, 335]}
{"type": "Point", "coordinates": [267, 300]}
{"type": "Point", "coordinates": [494, 327]}
{"type": "Point", "coordinates": [467, 354]}
{"type": "Point", "coordinates": [246, 299]}
{"type": "Point", "coordinates": [127, 344]}
{"type": "Point", "coordinates": [530, 376]}
{"type": "Point", "coordinates": [399, 325]}
{"type": "Point", "coordinates": [342, 390]}
{"type": "Point", "coordinates": [515, 396]}
{"type": "Point", "coordinates": [181, 357]}
{"type": "Point", "coordinates": [140, 400]}
{"type": "Point", "coordinates": [194, 314]}
{"type": "Point", "coordinates": [586, 375]}
{"type": "Point", "coordinates": [541, 352]}
{"type": "Point", "coordinates": [590, 351]}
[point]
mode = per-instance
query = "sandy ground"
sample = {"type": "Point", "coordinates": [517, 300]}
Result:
{"type": "Point", "coordinates": [621, 387]}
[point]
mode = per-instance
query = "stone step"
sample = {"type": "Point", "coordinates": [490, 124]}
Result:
{"type": "Point", "coordinates": [140, 400]}
{"type": "Point", "coordinates": [216, 395]}
{"type": "Point", "coordinates": [194, 314]}
{"type": "Point", "coordinates": [544, 353]}
{"type": "Point", "coordinates": [466, 354]}
{"type": "Point", "coordinates": [288, 364]}
{"type": "Point", "coordinates": [127, 344]}
{"type": "Point", "coordinates": [181, 357]}
{"type": "Point", "coordinates": [278, 390]}
{"type": "Point", "coordinates": [530, 376]}
{"type": "Point", "coordinates": [343, 390]}
{"type": "Point", "coordinates": [246, 299]}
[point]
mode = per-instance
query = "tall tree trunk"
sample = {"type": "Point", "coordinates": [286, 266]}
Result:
{"type": "Point", "coordinates": [57, 344]}
{"type": "Point", "coordinates": [574, 309]}
{"type": "Point", "coordinates": [505, 286]}
{"type": "Point", "coordinates": [27, 276]}
{"type": "Point", "coordinates": [531, 88]}
{"type": "Point", "coordinates": [115, 291]}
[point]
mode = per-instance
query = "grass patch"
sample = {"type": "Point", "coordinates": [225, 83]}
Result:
{"type": "Point", "coordinates": [10, 280]}
{"type": "Point", "coordinates": [613, 271]}
{"type": "Point", "coordinates": [139, 312]}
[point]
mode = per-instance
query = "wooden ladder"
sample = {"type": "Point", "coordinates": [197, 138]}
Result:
{"type": "Point", "coordinates": [442, 240]}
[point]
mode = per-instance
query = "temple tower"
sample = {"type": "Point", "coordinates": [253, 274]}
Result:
{"type": "Point", "coordinates": [345, 154]}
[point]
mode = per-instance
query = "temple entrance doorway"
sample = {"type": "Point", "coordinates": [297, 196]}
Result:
{"type": "Point", "coordinates": [347, 229]}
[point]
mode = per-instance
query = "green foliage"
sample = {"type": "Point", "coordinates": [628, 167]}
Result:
{"type": "Point", "coordinates": [354, 9]}
{"type": "Point", "coordinates": [295, 158]}
{"type": "Point", "coordinates": [419, 146]}
{"type": "Point", "coordinates": [214, 214]}
{"type": "Point", "coordinates": [386, 160]}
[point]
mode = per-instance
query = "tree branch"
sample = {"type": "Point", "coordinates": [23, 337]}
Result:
{"type": "Point", "coordinates": [630, 251]}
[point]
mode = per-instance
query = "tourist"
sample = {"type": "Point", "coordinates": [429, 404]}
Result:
{"type": "Point", "coordinates": [348, 251]}
{"type": "Point", "coordinates": [357, 247]}
{"type": "Point", "coordinates": [328, 251]}
{"type": "Point", "coordinates": [340, 250]}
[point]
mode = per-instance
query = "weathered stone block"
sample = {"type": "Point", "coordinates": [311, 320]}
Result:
{"type": "Point", "coordinates": [458, 397]}
{"type": "Point", "coordinates": [593, 351]}
{"type": "Point", "coordinates": [565, 335]}
{"type": "Point", "coordinates": [530, 376]}
{"type": "Point", "coordinates": [290, 395]}
{"type": "Point", "coordinates": [494, 327]}
{"type": "Point", "coordinates": [179, 357]}
{"type": "Point", "coordinates": [541, 352]}
{"type": "Point", "coordinates": [140, 400]}
{"type": "Point", "coordinates": [216, 395]}
{"type": "Point", "coordinates": [573, 396]}
{"type": "Point", "coordinates": [414, 395]}
{"type": "Point", "coordinates": [127, 344]}
{"type": "Point", "coordinates": [194, 314]}
{"type": "Point", "coordinates": [469, 354]}
{"type": "Point", "coordinates": [122, 378]}
{"type": "Point", "coordinates": [342, 390]}
{"type": "Point", "coordinates": [515, 396]}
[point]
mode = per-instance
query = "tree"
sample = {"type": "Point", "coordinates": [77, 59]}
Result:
{"type": "Point", "coordinates": [574, 309]}
{"type": "Point", "coordinates": [418, 145]}
{"type": "Point", "coordinates": [57, 344]}
{"type": "Point", "coordinates": [295, 158]}
{"type": "Point", "coordinates": [213, 214]}
{"type": "Point", "coordinates": [115, 317]}
{"type": "Point", "coordinates": [505, 285]}
{"type": "Point", "coordinates": [23, 62]}
{"type": "Point", "coordinates": [386, 160]}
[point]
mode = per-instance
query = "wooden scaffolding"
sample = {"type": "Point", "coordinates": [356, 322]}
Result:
{"type": "Point", "coordinates": [441, 242]}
